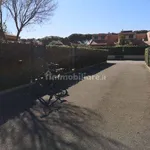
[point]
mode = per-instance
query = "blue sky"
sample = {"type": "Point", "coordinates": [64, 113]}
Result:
{"type": "Point", "coordinates": [91, 16]}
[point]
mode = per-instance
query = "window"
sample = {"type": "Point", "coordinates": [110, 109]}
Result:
{"type": "Point", "coordinates": [131, 36]}
{"type": "Point", "coordinates": [95, 37]}
{"type": "Point", "coordinates": [102, 37]}
{"type": "Point", "coordinates": [127, 37]}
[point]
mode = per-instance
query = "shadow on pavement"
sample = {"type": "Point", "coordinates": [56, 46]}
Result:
{"type": "Point", "coordinates": [17, 101]}
{"type": "Point", "coordinates": [65, 84]}
{"type": "Point", "coordinates": [72, 128]}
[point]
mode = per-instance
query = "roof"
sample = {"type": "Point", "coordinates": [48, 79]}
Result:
{"type": "Point", "coordinates": [10, 37]}
{"type": "Point", "coordinates": [127, 31]}
{"type": "Point", "coordinates": [141, 31]}
{"type": "Point", "coordinates": [94, 43]}
{"type": "Point", "coordinates": [103, 34]}
{"type": "Point", "coordinates": [113, 33]}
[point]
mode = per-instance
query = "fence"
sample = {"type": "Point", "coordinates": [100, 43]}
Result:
{"type": "Point", "coordinates": [19, 63]}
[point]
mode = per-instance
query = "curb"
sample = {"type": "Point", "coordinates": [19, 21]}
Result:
{"type": "Point", "coordinates": [15, 88]}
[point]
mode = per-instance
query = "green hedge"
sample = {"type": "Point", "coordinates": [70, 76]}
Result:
{"type": "Point", "coordinates": [15, 73]}
{"type": "Point", "coordinates": [58, 47]}
{"type": "Point", "coordinates": [89, 56]}
{"type": "Point", "coordinates": [124, 50]}
{"type": "Point", "coordinates": [147, 56]}
{"type": "Point", "coordinates": [76, 57]}
{"type": "Point", "coordinates": [77, 47]}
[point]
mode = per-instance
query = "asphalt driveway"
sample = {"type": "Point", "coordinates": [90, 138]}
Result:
{"type": "Point", "coordinates": [110, 111]}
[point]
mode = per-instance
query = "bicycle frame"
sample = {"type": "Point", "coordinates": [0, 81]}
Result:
{"type": "Point", "coordinates": [50, 86]}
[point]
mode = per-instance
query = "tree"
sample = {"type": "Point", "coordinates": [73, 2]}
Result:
{"type": "Point", "coordinates": [59, 43]}
{"type": "Point", "coordinates": [66, 41]}
{"type": "Point", "coordinates": [3, 26]}
{"type": "Point", "coordinates": [27, 12]}
{"type": "Point", "coordinates": [1, 22]}
{"type": "Point", "coordinates": [121, 39]}
{"type": "Point", "coordinates": [79, 37]}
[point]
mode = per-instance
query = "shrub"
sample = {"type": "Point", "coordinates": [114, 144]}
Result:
{"type": "Point", "coordinates": [125, 50]}
{"type": "Point", "coordinates": [55, 43]}
{"type": "Point", "coordinates": [34, 58]}
{"type": "Point", "coordinates": [147, 56]}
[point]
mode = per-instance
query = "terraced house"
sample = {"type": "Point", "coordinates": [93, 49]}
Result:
{"type": "Point", "coordinates": [139, 38]}
{"type": "Point", "coordinates": [104, 39]}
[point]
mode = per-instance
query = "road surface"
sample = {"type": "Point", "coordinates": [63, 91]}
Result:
{"type": "Point", "coordinates": [108, 110]}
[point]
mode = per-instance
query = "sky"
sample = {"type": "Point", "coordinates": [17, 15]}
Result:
{"type": "Point", "coordinates": [90, 16]}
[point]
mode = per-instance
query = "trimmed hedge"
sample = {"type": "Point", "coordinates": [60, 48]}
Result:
{"type": "Point", "coordinates": [147, 56]}
{"type": "Point", "coordinates": [77, 47]}
{"type": "Point", "coordinates": [124, 50]}
{"type": "Point", "coordinates": [20, 62]}
{"type": "Point", "coordinates": [88, 56]}
{"type": "Point", "coordinates": [75, 57]}
{"type": "Point", "coordinates": [127, 51]}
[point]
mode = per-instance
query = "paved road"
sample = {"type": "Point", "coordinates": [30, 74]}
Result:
{"type": "Point", "coordinates": [109, 113]}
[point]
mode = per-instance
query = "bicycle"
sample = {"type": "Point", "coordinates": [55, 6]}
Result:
{"type": "Point", "coordinates": [49, 87]}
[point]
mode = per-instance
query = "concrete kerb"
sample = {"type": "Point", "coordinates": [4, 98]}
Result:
{"type": "Point", "coordinates": [15, 88]}
{"type": "Point", "coordinates": [68, 73]}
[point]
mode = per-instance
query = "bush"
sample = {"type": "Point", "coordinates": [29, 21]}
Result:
{"type": "Point", "coordinates": [65, 56]}
{"type": "Point", "coordinates": [57, 47]}
{"type": "Point", "coordinates": [57, 43]}
{"type": "Point", "coordinates": [147, 56]}
{"type": "Point", "coordinates": [34, 58]}
{"type": "Point", "coordinates": [125, 50]}
{"type": "Point", "coordinates": [91, 48]}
